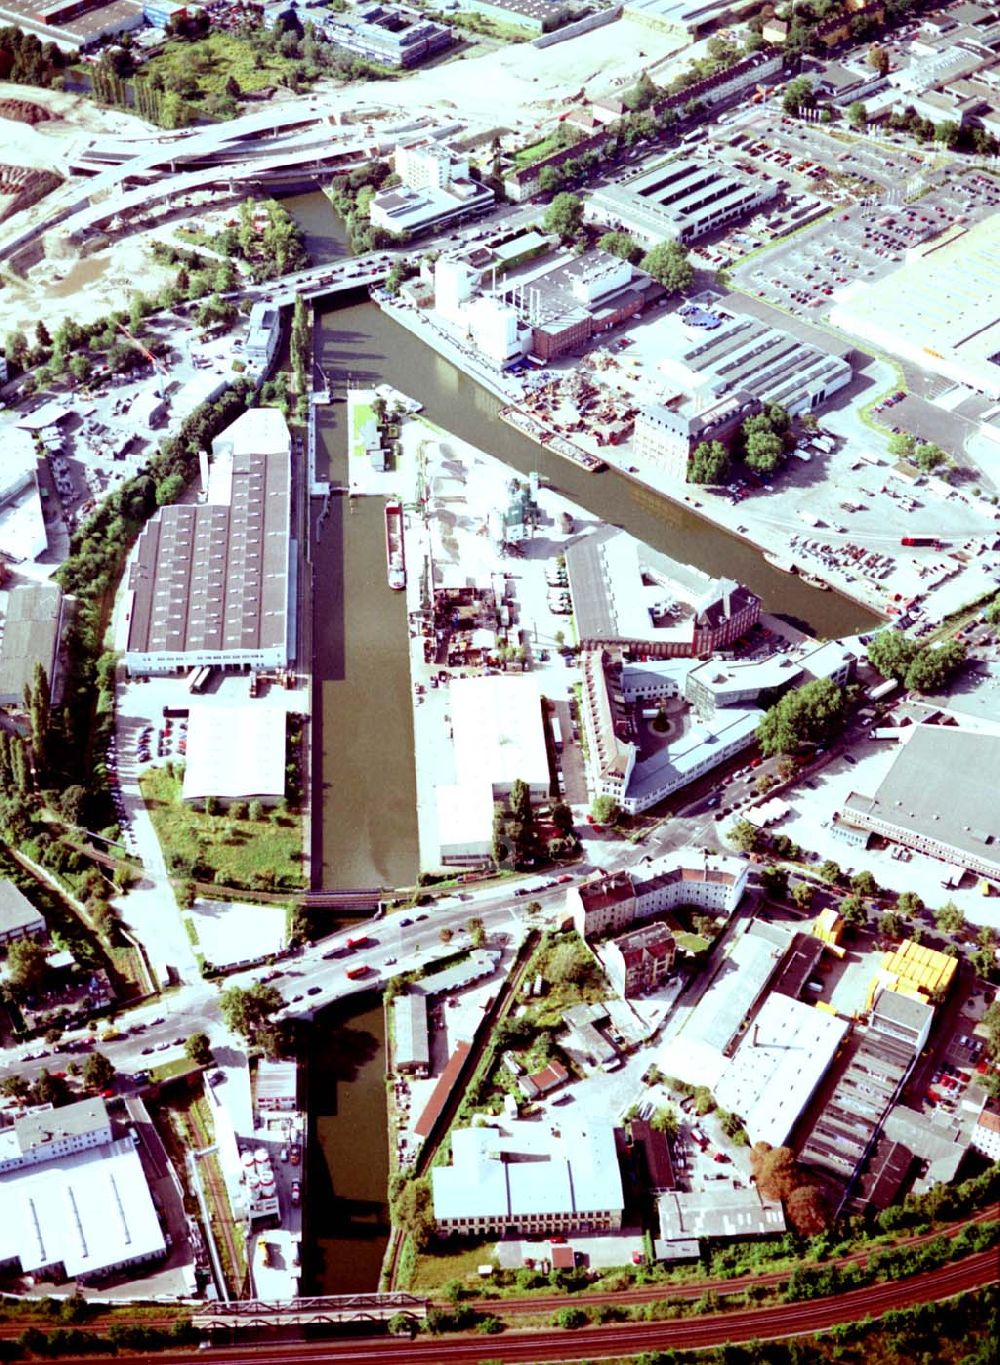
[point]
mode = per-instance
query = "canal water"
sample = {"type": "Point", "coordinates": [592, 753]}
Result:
{"type": "Point", "coordinates": [368, 830]}
{"type": "Point", "coordinates": [348, 1153]}
{"type": "Point", "coordinates": [364, 726]}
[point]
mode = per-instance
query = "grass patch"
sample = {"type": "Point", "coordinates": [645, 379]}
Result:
{"type": "Point", "coordinates": [260, 854]}
{"type": "Point", "coordinates": [169, 1071]}
{"type": "Point", "coordinates": [128, 965]}
{"type": "Point", "coordinates": [433, 1269]}
{"type": "Point", "coordinates": [527, 156]}
{"type": "Point", "coordinates": [693, 943]}
{"type": "Point", "coordinates": [362, 420]}
{"type": "Point", "coordinates": [213, 59]}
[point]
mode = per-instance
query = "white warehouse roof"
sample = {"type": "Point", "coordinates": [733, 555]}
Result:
{"type": "Point", "coordinates": [90, 1211]}
{"type": "Point", "coordinates": [529, 1168]}
{"type": "Point", "coordinates": [782, 1058]}
{"type": "Point", "coordinates": [498, 730]}
{"type": "Point", "coordinates": [235, 752]}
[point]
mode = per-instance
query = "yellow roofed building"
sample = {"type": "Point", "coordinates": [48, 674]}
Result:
{"type": "Point", "coordinates": [915, 970]}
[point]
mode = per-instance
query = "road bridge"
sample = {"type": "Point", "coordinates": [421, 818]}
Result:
{"type": "Point", "coordinates": [358, 898]}
{"type": "Point", "coordinates": [244, 1314]}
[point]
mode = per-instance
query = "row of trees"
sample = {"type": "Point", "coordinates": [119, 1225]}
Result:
{"type": "Point", "coordinates": [26, 60]}
{"type": "Point", "coordinates": [898, 912]}
{"type": "Point", "coordinates": [812, 714]}
{"type": "Point", "coordinates": [926, 668]}
{"type": "Point", "coordinates": [98, 1072]}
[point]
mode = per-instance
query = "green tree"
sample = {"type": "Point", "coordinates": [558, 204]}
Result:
{"type": "Point", "coordinates": [949, 919]}
{"type": "Point", "coordinates": [15, 348]}
{"type": "Point", "coordinates": [927, 456]}
{"type": "Point", "coordinates": [413, 1210]}
{"type": "Point", "coordinates": [857, 115]}
{"type": "Point", "coordinates": [564, 216]}
{"type": "Point", "coordinates": [15, 1087]}
{"type": "Point", "coordinates": [764, 451]}
{"type": "Point", "coordinates": [984, 963]}
{"type": "Point", "coordinates": [864, 884]}
{"type": "Point", "coordinates": [604, 810]}
{"type": "Point", "coordinates": [570, 963]}
{"type": "Point", "coordinates": [892, 653]}
{"type": "Point", "coordinates": [562, 817]}
{"type": "Point", "coordinates": [774, 880]}
{"type": "Point", "coordinates": [708, 463]}
{"type": "Point", "coordinates": [902, 444]}
{"type": "Point", "coordinates": [878, 59]}
{"type": "Point", "coordinates": [854, 911]}
{"type": "Point", "coordinates": [199, 1049]}
{"type": "Point", "coordinates": [50, 1089]}
{"type": "Point", "coordinates": [550, 178]}
{"type": "Point", "coordinates": [665, 1121]}
{"type": "Point", "coordinates": [909, 903]}
{"type": "Point", "coordinates": [668, 264]}
{"type": "Point", "coordinates": [802, 894]}
{"type": "Point", "coordinates": [169, 489]}
{"type": "Point", "coordinates": [248, 1011]}
{"type": "Point", "coordinates": [98, 1071]}
{"type": "Point", "coordinates": [25, 965]}
{"type": "Point", "coordinates": [80, 367]}
{"type": "Point", "coordinates": [620, 244]}
{"type": "Point", "coordinates": [891, 924]}
{"type": "Point", "coordinates": [799, 95]}
{"type": "Point", "coordinates": [933, 668]}
{"type": "Point", "coordinates": [642, 94]}
{"type": "Point", "coordinates": [744, 836]}
{"type": "Point", "coordinates": [991, 1024]}
{"type": "Point", "coordinates": [811, 714]}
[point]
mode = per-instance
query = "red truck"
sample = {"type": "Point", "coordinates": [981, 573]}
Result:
{"type": "Point", "coordinates": [355, 972]}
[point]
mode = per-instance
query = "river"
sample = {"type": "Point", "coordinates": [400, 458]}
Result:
{"type": "Point", "coordinates": [348, 1153]}
{"type": "Point", "coordinates": [363, 714]}
{"type": "Point", "coordinates": [367, 833]}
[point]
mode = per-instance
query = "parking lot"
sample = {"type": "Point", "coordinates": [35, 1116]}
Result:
{"type": "Point", "coordinates": [863, 243]}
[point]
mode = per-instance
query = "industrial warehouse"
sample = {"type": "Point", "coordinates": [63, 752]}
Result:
{"type": "Point", "coordinates": [212, 585]}
{"type": "Point", "coordinates": [680, 200]}
{"type": "Point", "coordinates": [920, 805]}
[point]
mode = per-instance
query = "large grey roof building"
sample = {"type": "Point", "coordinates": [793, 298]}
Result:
{"type": "Point", "coordinates": [938, 797]}
{"type": "Point", "coordinates": [680, 200]}
{"type": "Point", "coordinates": [745, 355]}
{"type": "Point", "coordinates": [212, 584]}
{"type": "Point", "coordinates": [18, 917]}
{"type": "Point", "coordinates": [30, 636]}
{"type": "Point", "coordinates": [624, 592]}
{"type": "Point", "coordinates": [411, 1041]}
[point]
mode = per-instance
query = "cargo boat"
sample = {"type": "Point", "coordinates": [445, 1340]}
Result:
{"type": "Point", "coordinates": [780, 562]}
{"type": "Point", "coordinates": [522, 421]}
{"type": "Point", "coordinates": [814, 582]}
{"type": "Point", "coordinates": [394, 558]}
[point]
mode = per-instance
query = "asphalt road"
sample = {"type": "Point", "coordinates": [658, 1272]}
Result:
{"type": "Point", "coordinates": [157, 1032]}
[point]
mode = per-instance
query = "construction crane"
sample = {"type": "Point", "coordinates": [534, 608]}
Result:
{"type": "Point", "coordinates": [157, 364]}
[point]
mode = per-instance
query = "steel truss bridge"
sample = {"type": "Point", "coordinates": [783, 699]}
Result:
{"type": "Point", "coordinates": [328, 1310]}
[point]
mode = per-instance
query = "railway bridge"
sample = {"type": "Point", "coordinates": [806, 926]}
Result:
{"type": "Point", "coordinates": [326, 1310]}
